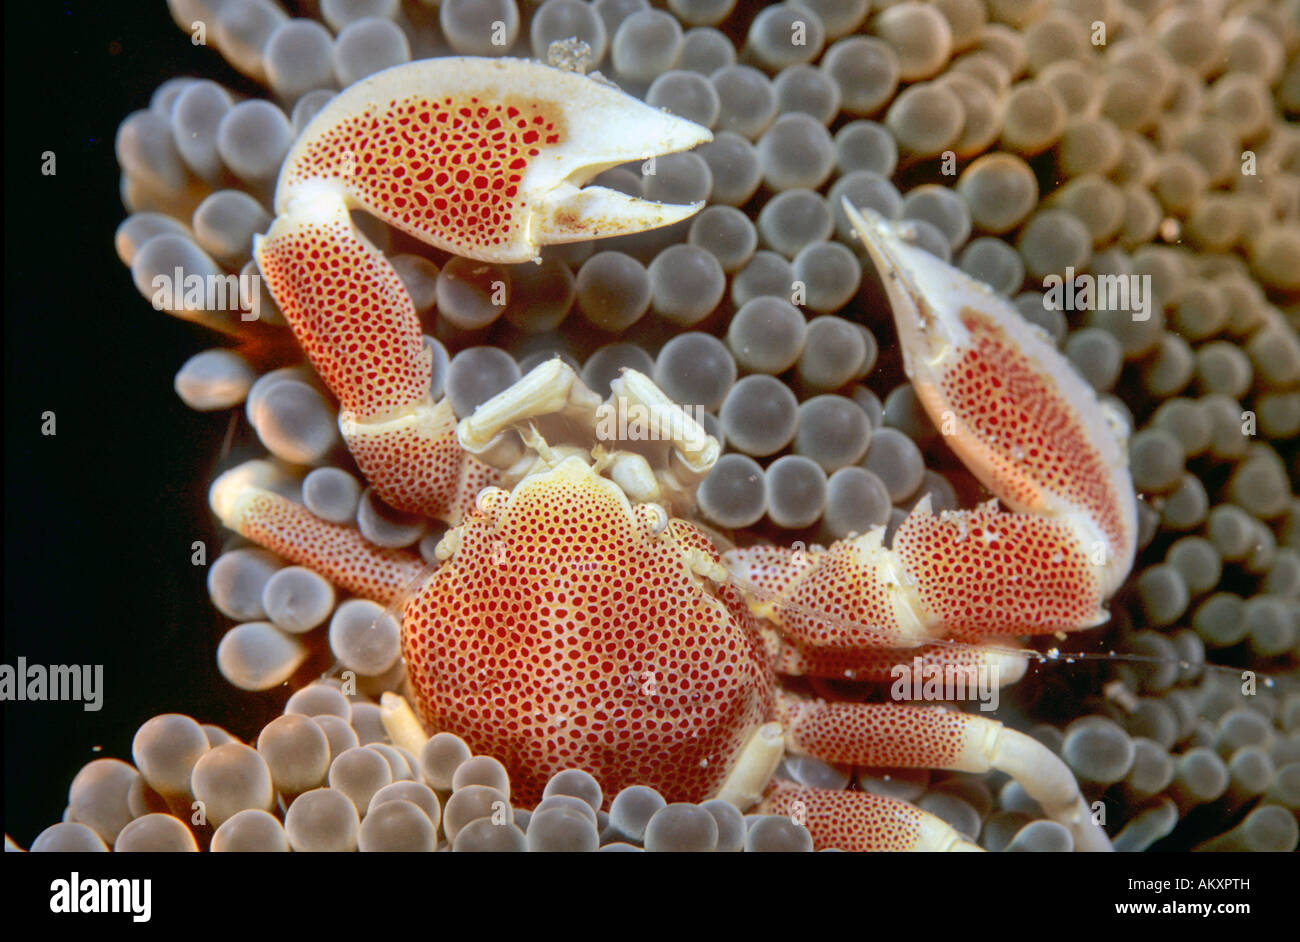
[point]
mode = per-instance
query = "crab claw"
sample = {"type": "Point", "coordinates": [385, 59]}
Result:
{"type": "Point", "coordinates": [486, 157]}
{"type": "Point", "coordinates": [1008, 403]}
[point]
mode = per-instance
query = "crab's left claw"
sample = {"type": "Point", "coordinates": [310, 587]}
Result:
{"type": "Point", "coordinates": [486, 157]}
{"type": "Point", "coordinates": [1017, 414]}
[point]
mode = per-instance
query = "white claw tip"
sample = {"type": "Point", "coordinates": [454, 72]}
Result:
{"type": "Point", "coordinates": [862, 217]}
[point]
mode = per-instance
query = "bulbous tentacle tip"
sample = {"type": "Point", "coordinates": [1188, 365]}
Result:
{"type": "Point", "coordinates": [229, 491]}
{"type": "Point", "coordinates": [486, 158]}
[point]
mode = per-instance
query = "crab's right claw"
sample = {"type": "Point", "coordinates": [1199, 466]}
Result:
{"type": "Point", "coordinates": [481, 157]}
{"type": "Point", "coordinates": [486, 157]}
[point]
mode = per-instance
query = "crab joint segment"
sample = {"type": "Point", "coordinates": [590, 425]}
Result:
{"type": "Point", "coordinates": [346, 304]}
{"type": "Point", "coordinates": [241, 499]}
{"type": "Point", "coordinates": [485, 157]}
{"type": "Point", "coordinates": [551, 388]}
{"type": "Point", "coordinates": [353, 317]}
{"type": "Point", "coordinates": [693, 450]}
{"type": "Point", "coordinates": [1008, 403]}
{"type": "Point", "coordinates": [858, 821]}
{"type": "Point", "coordinates": [888, 734]}
{"type": "Point", "coordinates": [848, 597]}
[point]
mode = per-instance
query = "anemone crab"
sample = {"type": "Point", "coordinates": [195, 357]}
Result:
{"type": "Point", "coordinates": [576, 616]}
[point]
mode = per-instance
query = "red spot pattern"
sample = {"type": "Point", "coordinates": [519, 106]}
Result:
{"type": "Point", "coordinates": [691, 538]}
{"type": "Point", "coordinates": [446, 170]}
{"type": "Point", "coordinates": [886, 734]}
{"type": "Point", "coordinates": [868, 666]}
{"type": "Point", "coordinates": [822, 599]}
{"type": "Point", "coordinates": [983, 572]}
{"type": "Point", "coordinates": [422, 473]}
{"type": "Point", "coordinates": [351, 314]}
{"type": "Point", "coordinates": [852, 821]}
{"type": "Point", "coordinates": [339, 553]}
{"type": "Point", "coordinates": [566, 636]}
{"type": "Point", "coordinates": [1012, 407]}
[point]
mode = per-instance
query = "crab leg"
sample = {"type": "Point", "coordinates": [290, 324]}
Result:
{"type": "Point", "coordinates": [887, 734]}
{"type": "Point", "coordinates": [858, 821]}
{"type": "Point", "coordinates": [480, 157]}
{"type": "Point", "coordinates": [879, 665]}
{"type": "Point", "coordinates": [244, 501]}
{"type": "Point", "coordinates": [357, 324]}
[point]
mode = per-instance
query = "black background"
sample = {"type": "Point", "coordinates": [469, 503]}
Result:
{"type": "Point", "coordinates": [99, 519]}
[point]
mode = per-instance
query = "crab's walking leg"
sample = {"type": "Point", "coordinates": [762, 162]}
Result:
{"type": "Point", "coordinates": [887, 734]}
{"type": "Point", "coordinates": [243, 500]}
{"type": "Point", "coordinates": [858, 821]}
{"type": "Point", "coordinates": [880, 665]}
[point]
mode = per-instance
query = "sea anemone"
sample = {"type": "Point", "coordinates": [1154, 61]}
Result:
{"type": "Point", "coordinates": [1045, 147]}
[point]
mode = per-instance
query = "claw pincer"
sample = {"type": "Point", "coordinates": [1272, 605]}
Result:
{"type": "Point", "coordinates": [573, 618]}
{"type": "Point", "coordinates": [484, 158]}
{"type": "Point", "coordinates": [1010, 406]}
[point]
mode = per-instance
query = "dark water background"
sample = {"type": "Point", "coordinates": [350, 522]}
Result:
{"type": "Point", "coordinates": [98, 519]}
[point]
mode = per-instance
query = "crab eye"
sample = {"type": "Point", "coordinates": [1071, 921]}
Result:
{"type": "Point", "coordinates": [656, 518]}
{"type": "Point", "coordinates": [488, 499]}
